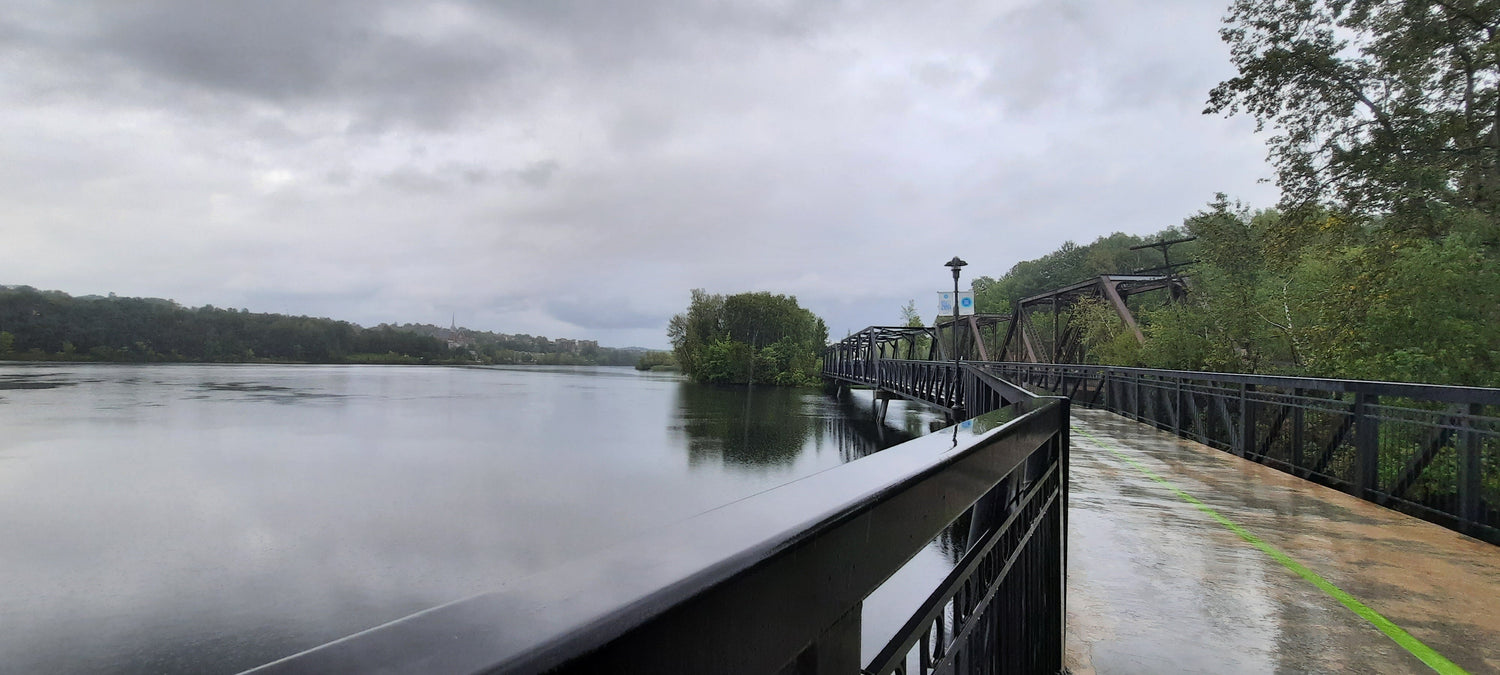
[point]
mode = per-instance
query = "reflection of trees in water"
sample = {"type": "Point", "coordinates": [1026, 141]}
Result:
{"type": "Point", "coordinates": [953, 541]}
{"type": "Point", "coordinates": [768, 427]}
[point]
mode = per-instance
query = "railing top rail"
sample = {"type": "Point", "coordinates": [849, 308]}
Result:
{"type": "Point", "coordinates": [828, 539]}
{"type": "Point", "coordinates": [1430, 392]}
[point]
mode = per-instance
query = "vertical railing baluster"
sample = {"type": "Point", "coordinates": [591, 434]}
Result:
{"type": "Point", "coordinates": [1247, 421]}
{"type": "Point", "coordinates": [1297, 423]}
{"type": "Point", "coordinates": [1366, 445]}
{"type": "Point", "coordinates": [1470, 468]}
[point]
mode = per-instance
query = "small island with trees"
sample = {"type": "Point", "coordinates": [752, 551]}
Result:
{"type": "Point", "coordinates": [748, 338]}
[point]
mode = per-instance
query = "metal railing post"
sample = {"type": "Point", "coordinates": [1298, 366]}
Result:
{"type": "Point", "coordinates": [1177, 408]}
{"type": "Point", "coordinates": [1366, 445]}
{"type": "Point", "coordinates": [1247, 421]}
{"type": "Point", "coordinates": [1297, 424]}
{"type": "Point", "coordinates": [1135, 397]}
{"type": "Point", "coordinates": [1470, 467]}
{"type": "Point", "coordinates": [1060, 530]}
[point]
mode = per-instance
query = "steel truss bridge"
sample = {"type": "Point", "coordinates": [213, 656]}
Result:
{"type": "Point", "coordinates": [1037, 330]}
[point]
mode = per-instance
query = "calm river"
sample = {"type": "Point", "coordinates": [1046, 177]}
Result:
{"type": "Point", "coordinates": [210, 518]}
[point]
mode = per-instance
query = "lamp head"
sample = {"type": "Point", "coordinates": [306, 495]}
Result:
{"type": "Point", "coordinates": [955, 263]}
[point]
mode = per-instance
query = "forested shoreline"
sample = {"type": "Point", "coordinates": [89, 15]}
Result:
{"type": "Point", "coordinates": [54, 326]}
{"type": "Point", "coordinates": [1382, 259]}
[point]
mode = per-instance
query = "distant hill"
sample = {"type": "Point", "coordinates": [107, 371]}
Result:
{"type": "Point", "coordinates": [523, 348]}
{"type": "Point", "coordinates": [52, 325]}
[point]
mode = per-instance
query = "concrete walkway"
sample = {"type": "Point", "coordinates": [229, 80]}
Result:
{"type": "Point", "coordinates": [1158, 585]}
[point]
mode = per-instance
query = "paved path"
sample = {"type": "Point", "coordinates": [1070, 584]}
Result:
{"type": "Point", "coordinates": [1157, 584]}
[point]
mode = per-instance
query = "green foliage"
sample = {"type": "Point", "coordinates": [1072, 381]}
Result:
{"type": "Point", "coordinates": [1380, 107]}
{"type": "Point", "coordinates": [500, 348]}
{"type": "Point", "coordinates": [1383, 264]}
{"type": "Point", "coordinates": [1109, 340]}
{"type": "Point", "coordinates": [656, 361]}
{"type": "Point", "coordinates": [911, 317]}
{"type": "Point", "coordinates": [1072, 263]}
{"type": "Point", "coordinates": [50, 325]}
{"type": "Point", "coordinates": [1278, 294]}
{"type": "Point", "coordinates": [1417, 312]}
{"type": "Point", "coordinates": [1382, 261]}
{"type": "Point", "coordinates": [748, 338]}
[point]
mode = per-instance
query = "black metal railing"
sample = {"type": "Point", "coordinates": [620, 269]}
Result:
{"type": "Point", "coordinates": [936, 383]}
{"type": "Point", "coordinates": [1428, 450]}
{"type": "Point", "coordinates": [1000, 608]}
{"type": "Point", "coordinates": [776, 582]}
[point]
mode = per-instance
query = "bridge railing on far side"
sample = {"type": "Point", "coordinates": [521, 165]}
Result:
{"type": "Point", "coordinates": [775, 583]}
{"type": "Point", "coordinates": [1428, 450]}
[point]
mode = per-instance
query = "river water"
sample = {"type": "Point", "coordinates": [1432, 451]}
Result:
{"type": "Point", "coordinates": [210, 518]}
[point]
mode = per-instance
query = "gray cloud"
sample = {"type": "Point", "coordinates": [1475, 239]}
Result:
{"type": "Point", "coordinates": [603, 313]}
{"type": "Point", "coordinates": [384, 161]}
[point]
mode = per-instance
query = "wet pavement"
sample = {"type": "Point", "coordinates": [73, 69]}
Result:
{"type": "Point", "coordinates": [1157, 585]}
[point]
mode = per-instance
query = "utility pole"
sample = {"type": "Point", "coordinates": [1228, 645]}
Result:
{"type": "Point", "coordinates": [1168, 267]}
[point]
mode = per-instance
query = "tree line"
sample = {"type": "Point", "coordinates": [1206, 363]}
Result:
{"type": "Point", "coordinates": [52, 325]}
{"type": "Point", "coordinates": [1381, 259]}
{"type": "Point", "coordinates": [521, 348]}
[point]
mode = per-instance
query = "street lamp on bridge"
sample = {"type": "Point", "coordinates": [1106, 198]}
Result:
{"type": "Point", "coordinates": [958, 402]}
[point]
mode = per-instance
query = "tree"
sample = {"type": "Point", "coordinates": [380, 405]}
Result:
{"type": "Point", "coordinates": [7, 342]}
{"type": "Point", "coordinates": [910, 317]}
{"type": "Point", "coordinates": [1069, 264]}
{"type": "Point", "coordinates": [1381, 107]}
{"type": "Point", "coordinates": [747, 338]}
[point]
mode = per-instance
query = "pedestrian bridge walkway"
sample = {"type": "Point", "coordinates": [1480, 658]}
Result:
{"type": "Point", "coordinates": [1187, 559]}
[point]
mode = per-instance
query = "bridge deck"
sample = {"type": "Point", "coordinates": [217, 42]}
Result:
{"type": "Point", "coordinates": [1158, 584]}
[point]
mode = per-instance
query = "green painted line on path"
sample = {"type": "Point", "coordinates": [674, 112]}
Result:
{"type": "Point", "coordinates": [1411, 644]}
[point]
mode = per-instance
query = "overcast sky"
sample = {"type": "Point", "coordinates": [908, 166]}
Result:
{"type": "Point", "coordinates": [572, 169]}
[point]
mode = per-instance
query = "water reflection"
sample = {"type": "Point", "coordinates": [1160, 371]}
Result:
{"type": "Point", "coordinates": [762, 428]}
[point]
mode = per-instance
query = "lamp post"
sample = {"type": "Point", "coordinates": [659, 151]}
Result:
{"type": "Point", "coordinates": [958, 400]}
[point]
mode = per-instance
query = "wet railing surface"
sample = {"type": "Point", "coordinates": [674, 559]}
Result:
{"type": "Point", "coordinates": [776, 582]}
{"type": "Point", "coordinates": [1428, 450]}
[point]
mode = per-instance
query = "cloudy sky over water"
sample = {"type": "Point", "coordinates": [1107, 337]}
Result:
{"type": "Point", "coordinates": [571, 169]}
